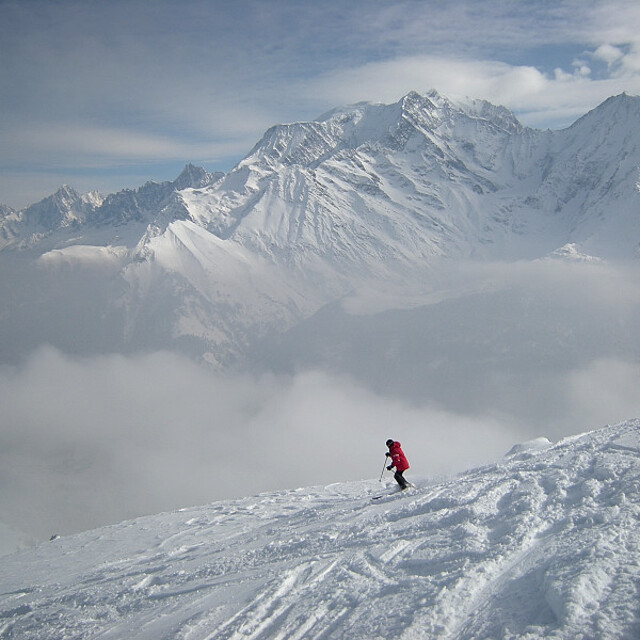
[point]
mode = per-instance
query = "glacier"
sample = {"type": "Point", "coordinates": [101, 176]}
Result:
{"type": "Point", "coordinates": [542, 543]}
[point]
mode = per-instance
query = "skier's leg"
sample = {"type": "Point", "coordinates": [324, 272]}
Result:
{"type": "Point", "coordinates": [400, 479]}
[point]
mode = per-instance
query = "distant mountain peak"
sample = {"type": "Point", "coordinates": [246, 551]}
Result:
{"type": "Point", "coordinates": [415, 98]}
{"type": "Point", "coordinates": [620, 110]}
{"type": "Point", "coordinates": [66, 190]}
{"type": "Point", "coordinates": [194, 177]}
{"type": "Point", "coordinates": [63, 208]}
{"type": "Point", "coordinates": [624, 98]}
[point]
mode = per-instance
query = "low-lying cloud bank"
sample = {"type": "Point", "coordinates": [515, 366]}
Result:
{"type": "Point", "coordinates": [84, 442]}
{"type": "Point", "coordinates": [478, 358]}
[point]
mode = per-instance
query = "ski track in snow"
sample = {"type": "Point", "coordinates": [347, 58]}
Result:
{"type": "Point", "coordinates": [542, 544]}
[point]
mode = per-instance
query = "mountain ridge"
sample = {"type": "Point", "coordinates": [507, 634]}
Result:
{"type": "Point", "coordinates": [68, 208]}
{"type": "Point", "coordinates": [365, 193]}
{"type": "Point", "coordinates": [433, 118]}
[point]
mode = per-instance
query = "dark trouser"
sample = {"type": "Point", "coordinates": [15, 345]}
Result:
{"type": "Point", "coordinates": [400, 479]}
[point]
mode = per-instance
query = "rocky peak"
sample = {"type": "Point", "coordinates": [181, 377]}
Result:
{"type": "Point", "coordinates": [194, 177]}
{"type": "Point", "coordinates": [64, 208]}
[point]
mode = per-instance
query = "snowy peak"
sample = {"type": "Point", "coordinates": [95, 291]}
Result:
{"type": "Point", "coordinates": [193, 177]}
{"type": "Point", "coordinates": [606, 127]}
{"type": "Point", "coordinates": [308, 143]}
{"type": "Point", "coordinates": [139, 205]}
{"type": "Point", "coordinates": [371, 180]}
{"type": "Point", "coordinates": [9, 222]}
{"type": "Point", "coordinates": [288, 144]}
{"type": "Point", "coordinates": [622, 110]}
{"type": "Point", "coordinates": [571, 253]}
{"type": "Point", "coordinates": [590, 178]}
{"type": "Point", "coordinates": [368, 191]}
{"type": "Point", "coordinates": [542, 544]}
{"type": "Point", "coordinates": [154, 202]}
{"type": "Point", "coordinates": [609, 131]}
{"type": "Point", "coordinates": [6, 212]}
{"type": "Point", "coordinates": [64, 208]}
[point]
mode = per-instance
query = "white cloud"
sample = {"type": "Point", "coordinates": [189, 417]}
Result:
{"type": "Point", "coordinates": [74, 143]}
{"type": "Point", "coordinates": [538, 99]}
{"type": "Point", "coordinates": [608, 53]}
{"type": "Point", "coordinates": [581, 68]}
{"type": "Point", "coordinates": [606, 392]}
{"type": "Point", "coordinates": [630, 63]}
{"type": "Point", "coordinates": [612, 22]}
{"type": "Point", "coordinates": [87, 442]}
{"type": "Point", "coordinates": [387, 81]}
{"type": "Point", "coordinates": [513, 352]}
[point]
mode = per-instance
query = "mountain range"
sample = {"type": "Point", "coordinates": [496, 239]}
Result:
{"type": "Point", "coordinates": [368, 197]}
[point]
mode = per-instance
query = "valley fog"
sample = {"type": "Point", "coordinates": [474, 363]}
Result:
{"type": "Point", "coordinates": [486, 356]}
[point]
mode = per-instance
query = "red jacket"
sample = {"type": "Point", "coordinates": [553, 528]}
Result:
{"type": "Point", "coordinates": [398, 458]}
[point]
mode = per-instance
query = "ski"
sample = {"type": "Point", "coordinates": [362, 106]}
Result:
{"type": "Point", "coordinates": [393, 492]}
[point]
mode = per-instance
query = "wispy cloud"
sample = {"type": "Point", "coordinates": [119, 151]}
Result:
{"type": "Point", "coordinates": [101, 146]}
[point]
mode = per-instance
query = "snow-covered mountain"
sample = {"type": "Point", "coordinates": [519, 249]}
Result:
{"type": "Point", "coordinates": [69, 217]}
{"type": "Point", "coordinates": [365, 194]}
{"type": "Point", "coordinates": [542, 544]}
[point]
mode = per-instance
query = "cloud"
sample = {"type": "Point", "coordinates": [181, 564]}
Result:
{"type": "Point", "coordinates": [491, 341]}
{"type": "Point", "coordinates": [462, 49]}
{"type": "Point", "coordinates": [85, 442]}
{"type": "Point", "coordinates": [389, 80]}
{"type": "Point", "coordinates": [605, 392]}
{"type": "Point", "coordinates": [630, 62]}
{"type": "Point", "coordinates": [608, 53]}
{"type": "Point", "coordinates": [539, 99]}
{"type": "Point", "coordinates": [614, 22]}
{"type": "Point", "coordinates": [494, 355]}
{"type": "Point", "coordinates": [106, 146]}
{"type": "Point", "coordinates": [88, 442]}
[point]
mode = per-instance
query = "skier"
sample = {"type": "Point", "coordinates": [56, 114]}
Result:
{"type": "Point", "coordinates": [399, 461]}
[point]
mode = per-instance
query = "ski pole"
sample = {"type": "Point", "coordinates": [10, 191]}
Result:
{"type": "Point", "coordinates": [383, 468]}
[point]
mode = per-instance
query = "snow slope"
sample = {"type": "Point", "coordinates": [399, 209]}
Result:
{"type": "Point", "coordinates": [542, 544]}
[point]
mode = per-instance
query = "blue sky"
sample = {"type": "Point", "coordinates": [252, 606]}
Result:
{"type": "Point", "coordinates": [106, 95]}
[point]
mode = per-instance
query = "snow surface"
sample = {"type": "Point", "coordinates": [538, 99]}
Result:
{"type": "Point", "coordinates": [542, 544]}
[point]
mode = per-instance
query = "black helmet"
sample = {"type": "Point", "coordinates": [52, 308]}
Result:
{"type": "Point", "coordinates": [389, 442]}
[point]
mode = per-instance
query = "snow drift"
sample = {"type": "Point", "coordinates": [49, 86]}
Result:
{"type": "Point", "coordinates": [542, 544]}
